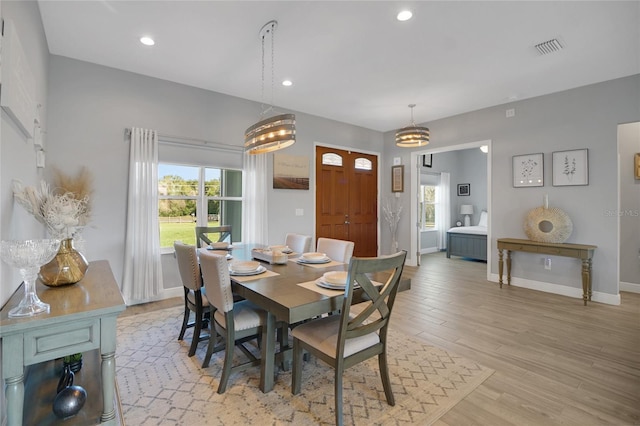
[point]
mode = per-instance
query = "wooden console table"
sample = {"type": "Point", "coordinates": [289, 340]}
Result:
{"type": "Point", "coordinates": [577, 251]}
{"type": "Point", "coordinates": [82, 318]}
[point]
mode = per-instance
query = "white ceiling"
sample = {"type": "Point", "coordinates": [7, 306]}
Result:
{"type": "Point", "coordinates": [352, 61]}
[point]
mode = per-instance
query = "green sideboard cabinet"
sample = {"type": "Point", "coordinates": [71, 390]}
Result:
{"type": "Point", "coordinates": [82, 318]}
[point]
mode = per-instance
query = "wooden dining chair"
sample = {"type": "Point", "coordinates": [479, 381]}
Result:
{"type": "Point", "coordinates": [237, 322]}
{"type": "Point", "coordinates": [203, 237]}
{"type": "Point", "coordinates": [347, 339]}
{"type": "Point", "coordinates": [194, 298]}
{"type": "Point", "coordinates": [299, 243]}
{"type": "Point", "coordinates": [338, 250]}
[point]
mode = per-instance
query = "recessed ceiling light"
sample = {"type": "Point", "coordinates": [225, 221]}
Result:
{"type": "Point", "coordinates": [287, 83]}
{"type": "Point", "coordinates": [404, 15]}
{"type": "Point", "coordinates": [147, 41]}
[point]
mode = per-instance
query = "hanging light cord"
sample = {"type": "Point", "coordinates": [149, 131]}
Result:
{"type": "Point", "coordinates": [266, 110]}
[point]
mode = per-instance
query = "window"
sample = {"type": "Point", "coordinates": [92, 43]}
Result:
{"type": "Point", "coordinates": [428, 206]}
{"type": "Point", "coordinates": [332, 159]}
{"type": "Point", "coordinates": [202, 196]}
{"type": "Point", "coordinates": [363, 164]}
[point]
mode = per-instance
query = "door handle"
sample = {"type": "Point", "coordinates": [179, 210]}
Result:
{"type": "Point", "coordinates": [346, 222]}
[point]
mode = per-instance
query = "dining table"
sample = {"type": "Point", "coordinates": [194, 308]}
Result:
{"type": "Point", "coordinates": [288, 291]}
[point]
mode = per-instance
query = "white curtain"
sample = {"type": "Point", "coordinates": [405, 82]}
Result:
{"type": "Point", "coordinates": [255, 219]}
{"type": "Point", "coordinates": [142, 278]}
{"type": "Point", "coordinates": [443, 215]}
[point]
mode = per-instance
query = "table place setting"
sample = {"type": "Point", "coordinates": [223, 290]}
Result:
{"type": "Point", "coordinates": [249, 270]}
{"type": "Point", "coordinates": [315, 260]}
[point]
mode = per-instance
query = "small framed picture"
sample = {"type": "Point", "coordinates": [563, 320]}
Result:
{"type": "Point", "coordinates": [397, 178]}
{"type": "Point", "coordinates": [464, 189]}
{"type": "Point", "coordinates": [636, 166]}
{"type": "Point", "coordinates": [528, 170]}
{"type": "Point", "coordinates": [571, 167]}
{"type": "Point", "coordinates": [427, 160]}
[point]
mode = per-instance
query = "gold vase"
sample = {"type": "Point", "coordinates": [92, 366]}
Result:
{"type": "Point", "coordinates": [68, 267]}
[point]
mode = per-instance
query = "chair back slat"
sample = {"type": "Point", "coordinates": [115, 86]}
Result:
{"type": "Point", "coordinates": [188, 267]}
{"type": "Point", "coordinates": [215, 274]}
{"type": "Point", "coordinates": [375, 316]}
{"type": "Point", "coordinates": [203, 238]}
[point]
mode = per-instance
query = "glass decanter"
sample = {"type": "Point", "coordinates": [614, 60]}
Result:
{"type": "Point", "coordinates": [28, 256]}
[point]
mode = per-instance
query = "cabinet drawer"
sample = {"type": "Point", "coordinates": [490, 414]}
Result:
{"type": "Point", "coordinates": [521, 247]}
{"type": "Point", "coordinates": [559, 251]}
{"type": "Point", "coordinates": [60, 340]}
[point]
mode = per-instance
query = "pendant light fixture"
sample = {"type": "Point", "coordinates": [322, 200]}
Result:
{"type": "Point", "coordinates": [273, 133]}
{"type": "Point", "coordinates": [412, 136]}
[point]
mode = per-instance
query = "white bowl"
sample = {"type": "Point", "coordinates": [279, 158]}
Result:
{"type": "Point", "coordinates": [314, 256]}
{"type": "Point", "coordinates": [245, 266]}
{"type": "Point", "coordinates": [220, 245]}
{"type": "Point", "coordinates": [335, 277]}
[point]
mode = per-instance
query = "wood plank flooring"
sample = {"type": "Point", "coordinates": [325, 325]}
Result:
{"type": "Point", "coordinates": [557, 361]}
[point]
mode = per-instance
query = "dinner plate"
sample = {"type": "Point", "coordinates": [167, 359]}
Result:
{"type": "Point", "coordinates": [258, 271]}
{"type": "Point", "coordinates": [324, 284]}
{"type": "Point", "coordinates": [244, 266]}
{"type": "Point", "coordinates": [311, 262]}
{"type": "Point", "coordinates": [335, 277]}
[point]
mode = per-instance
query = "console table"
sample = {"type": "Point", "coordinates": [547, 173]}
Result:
{"type": "Point", "coordinates": [82, 318]}
{"type": "Point", "coordinates": [578, 251]}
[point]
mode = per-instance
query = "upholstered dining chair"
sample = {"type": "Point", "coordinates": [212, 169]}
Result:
{"type": "Point", "coordinates": [237, 322]}
{"type": "Point", "coordinates": [338, 250]}
{"type": "Point", "coordinates": [194, 298]}
{"type": "Point", "coordinates": [298, 243]}
{"type": "Point", "coordinates": [347, 339]}
{"type": "Point", "coordinates": [203, 238]}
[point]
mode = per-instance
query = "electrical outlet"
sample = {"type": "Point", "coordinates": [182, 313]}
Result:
{"type": "Point", "coordinates": [547, 263]}
{"type": "Point", "coordinates": [511, 112]}
{"type": "Point", "coordinates": [299, 212]}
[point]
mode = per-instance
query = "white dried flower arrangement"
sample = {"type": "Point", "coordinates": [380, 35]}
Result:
{"type": "Point", "coordinates": [63, 211]}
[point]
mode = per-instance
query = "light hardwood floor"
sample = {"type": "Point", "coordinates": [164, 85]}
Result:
{"type": "Point", "coordinates": [556, 361]}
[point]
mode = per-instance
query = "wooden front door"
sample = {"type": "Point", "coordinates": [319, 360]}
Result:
{"type": "Point", "coordinates": [347, 198]}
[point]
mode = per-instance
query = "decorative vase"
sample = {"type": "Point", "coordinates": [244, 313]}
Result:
{"type": "Point", "coordinates": [69, 399]}
{"type": "Point", "coordinates": [67, 267]}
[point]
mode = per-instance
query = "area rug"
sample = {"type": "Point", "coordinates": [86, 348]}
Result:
{"type": "Point", "coordinates": [160, 385]}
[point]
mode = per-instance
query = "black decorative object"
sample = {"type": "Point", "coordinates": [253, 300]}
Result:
{"type": "Point", "coordinates": [70, 399]}
{"type": "Point", "coordinates": [74, 361]}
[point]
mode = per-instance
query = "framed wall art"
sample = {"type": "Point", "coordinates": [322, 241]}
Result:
{"type": "Point", "coordinates": [397, 178]}
{"type": "Point", "coordinates": [427, 160]}
{"type": "Point", "coordinates": [464, 189]}
{"type": "Point", "coordinates": [290, 172]}
{"type": "Point", "coordinates": [636, 166]}
{"type": "Point", "coordinates": [528, 170]}
{"type": "Point", "coordinates": [571, 167]}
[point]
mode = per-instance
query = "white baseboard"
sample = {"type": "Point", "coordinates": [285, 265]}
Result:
{"type": "Point", "coordinates": [630, 287]}
{"type": "Point", "coordinates": [609, 299]}
{"type": "Point", "coordinates": [164, 294]}
{"type": "Point", "coordinates": [429, 250]}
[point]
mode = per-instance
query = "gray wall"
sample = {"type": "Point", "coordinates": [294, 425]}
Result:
{"type": "Point", "coordinates": [585, 117]}
{"type": "Point", "coordinates": [91, 105]}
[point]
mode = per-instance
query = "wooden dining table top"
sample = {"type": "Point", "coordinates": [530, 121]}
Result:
{"type": "Point", "coordinates": [282, 295]}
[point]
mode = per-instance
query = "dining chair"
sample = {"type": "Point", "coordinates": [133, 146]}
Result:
{"type": "Point", "coordinates": [298, 243]}
{"type": "Point", "coordinates": [237, 322]}
{"type": "Point", "coordinates": [202, 234]}
{"type": "Point", "coordinates": [195, 300]}
{"type": "Point", "coordinates": [338, 250]}
{"type": "Point", "coordinates": [347, 339]}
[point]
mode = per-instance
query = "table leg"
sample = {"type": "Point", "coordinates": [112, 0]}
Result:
{"type": "Point", "coordinates": [500, 266]}
{"type": "Point", "coordinates": [268, 354]}
{"type": "Point", "coordinates": [108, 370]}
{"type": "Point", "coordinates": [586, 280]}
{"type": "Point", "coordinates": [508, 267]}
{"type": "Point", "coordinates": [14, 392]}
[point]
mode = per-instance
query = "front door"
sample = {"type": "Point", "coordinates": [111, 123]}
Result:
{"type": "Point", "coordinates": [347, 198]}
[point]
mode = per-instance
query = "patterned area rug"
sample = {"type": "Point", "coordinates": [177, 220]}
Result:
{"type": "Point", "coordinates": [160, 384]}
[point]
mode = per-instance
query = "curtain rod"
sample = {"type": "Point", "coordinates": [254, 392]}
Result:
{"type": "Point", "coordinates": [199, 143]}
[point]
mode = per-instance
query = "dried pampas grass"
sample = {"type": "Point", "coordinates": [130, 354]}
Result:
{"type": "Point", "coordinates": [80, 185]}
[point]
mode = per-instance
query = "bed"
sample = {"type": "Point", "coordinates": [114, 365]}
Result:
{"type": "Point", "coordinates": [469, 241]}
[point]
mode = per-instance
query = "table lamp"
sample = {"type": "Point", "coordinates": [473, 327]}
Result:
{"type": "Point", "coordinates": [466, 209]}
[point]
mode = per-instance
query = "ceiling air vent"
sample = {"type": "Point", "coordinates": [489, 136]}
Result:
{"type": "Point", "coordinates": [549, 46]}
